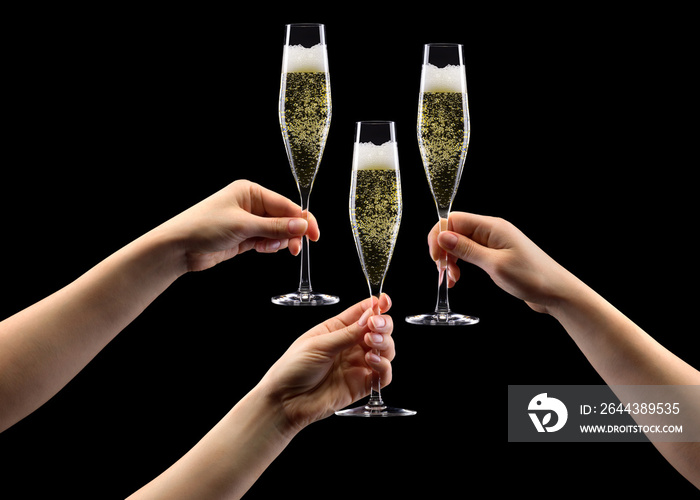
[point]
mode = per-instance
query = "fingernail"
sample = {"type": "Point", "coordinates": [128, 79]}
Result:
{"type": "Point", "coordinates": [377, 338]}
{"type": "Point", "coordinates": [297, 227]}
{"type": "Point", "coordinates": [273, 245]}
{"type": "Point", "coordinates": [378, 322]}
{"type": "Point", "coordinates": [373, 358]}
{"type": "Point", "coordinates": [388, 302]}
{"type": "Point", "coordinates": [448, 241]}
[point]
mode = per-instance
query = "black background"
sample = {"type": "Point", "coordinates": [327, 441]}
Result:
{"type": "Point", "coordinates": [117, 119]}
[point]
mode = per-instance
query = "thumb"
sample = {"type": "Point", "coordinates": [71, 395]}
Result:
{"type": "Point", "coordinates": [279, 227]}
{"type": "Point", "coordinates": [347, 328]}
{"type": "Point", "coordinates": [337, 341]}
{"type": "Point", "coordinates": [464, 248]}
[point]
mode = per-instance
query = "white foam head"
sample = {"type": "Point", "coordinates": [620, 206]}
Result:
{"type": "Point", "coordinates": [368, 155]}
{"type": "Point", "coordinates": [451, 78]}
{"type": "Point", "coordinates": [298, 58]}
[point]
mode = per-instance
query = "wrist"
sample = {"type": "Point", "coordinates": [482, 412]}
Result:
{"type": "Point", "coordinates": [168, 251]}
{"type": "Point", "coordinates": [270, 413]}
{"type": "Point", "coordinates": [573, 295]}
{"type": "Point", "coordinates": [273, 402]}
{"type": "Point", "coordinates": [557, 290]}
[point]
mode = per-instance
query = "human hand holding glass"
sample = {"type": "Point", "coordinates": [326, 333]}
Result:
{"type": "Point", "coordinates": [443, 139]}
{"type": "Point", "coordinates": [305, 117]}
{"type": "Point", "coordinates": [375, 216]}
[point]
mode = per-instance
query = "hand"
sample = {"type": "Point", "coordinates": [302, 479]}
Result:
{"type": "Point", "coordinates": [330, 366]}
{"type": "Point", "coordinates": [512, 260]}
{"type": "Point", "coordinates": [242, 216]}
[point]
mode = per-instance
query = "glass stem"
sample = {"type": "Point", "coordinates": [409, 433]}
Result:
{"type": "Point", "coordinates": [442, 308]}
{"type": "Point", "coordinates": [375, 396]}
{"type": "Point", "coordinates": [304, 274]}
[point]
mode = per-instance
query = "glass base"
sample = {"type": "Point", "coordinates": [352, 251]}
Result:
{"type": "Point", "coordinates": [442, 319]}
{"type": "Point", "coordinates": [375, 411]}
{"type": "Point", "coordinates": [305, 299]}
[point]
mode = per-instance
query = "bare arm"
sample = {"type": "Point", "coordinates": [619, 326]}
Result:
{"type": "Point", "coordinates": [626, 356]}
{"type": "Point", "coordinates": [324, 370]}
{"type": "Point", "coordinates": [44, 346]}
{"type": "Point", "coordinates": [620, 351]}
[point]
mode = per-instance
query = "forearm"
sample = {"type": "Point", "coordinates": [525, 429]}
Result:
{"type": "Point", "coordinates": [626, 357]}
{"type": "Point", "coordinates": [229, 458]}
{"type": "Point", "coordinates": [44, 346]}
{"type": "Point", "coordinates": [619, 350]}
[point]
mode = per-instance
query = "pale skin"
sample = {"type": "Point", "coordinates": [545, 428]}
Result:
{"type": "Point", "coordinates": [45, 345]}
{"type": "Point", "coordinates": [621, 352]}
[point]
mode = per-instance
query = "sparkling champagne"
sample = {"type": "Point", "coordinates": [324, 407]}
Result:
{"type": "Point", "coordinates": [375, 215]}
{"type": "Point", "coordinates": [443, 129]}
{"type": "Point", "coordinates": [443, 139]}
{"type": "Point", "coordinates": [305, 109]}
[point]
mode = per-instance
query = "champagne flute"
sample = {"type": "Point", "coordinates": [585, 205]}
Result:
{"type": "Point", "coordinates": [443, 139]}
{"type": "Point", "coordinates": [375, 216]}
{"type": "Point", "coordinates": [305, 117]}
